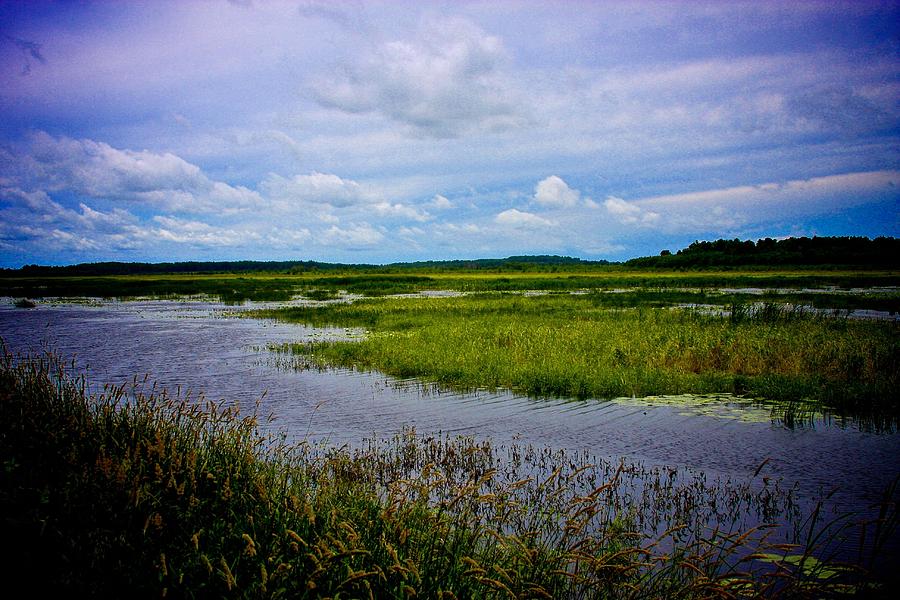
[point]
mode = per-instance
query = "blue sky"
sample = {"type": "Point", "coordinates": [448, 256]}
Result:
{"type": "Point", "coordinates": [387, 131]}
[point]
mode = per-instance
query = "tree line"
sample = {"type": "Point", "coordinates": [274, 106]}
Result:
{"type": "Point", "coordinates": [881, 252]}
{"type": "Point", "coordinates": [794, 251]}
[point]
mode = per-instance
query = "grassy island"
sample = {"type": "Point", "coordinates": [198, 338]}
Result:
{"type": "Point", "coordinates": [607, 345]}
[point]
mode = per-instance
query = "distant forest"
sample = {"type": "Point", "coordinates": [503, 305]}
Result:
{"type": "Point", "coordinates": [800, 251]}
{"type": "Point", "coordinates": [512, 263]}
{"type": "Point", "coordinates": [860, 252]}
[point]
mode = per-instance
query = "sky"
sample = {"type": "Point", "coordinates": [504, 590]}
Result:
{"type": "Point", "coordinates": [377, 132]}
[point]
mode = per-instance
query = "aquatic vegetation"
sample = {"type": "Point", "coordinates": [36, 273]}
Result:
{"type": "Point", "coordinates": [129, 488]}
{"type": "Point", "coordinates": [24, 303]}
{"type": "Point", "coordinates": [651, 287]}
{"type": "Point", "coordinates": [565, 345]}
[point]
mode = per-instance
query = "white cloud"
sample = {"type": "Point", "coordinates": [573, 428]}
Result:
{"type": "Point", "coordinates": [34, 218]}
{"type": "Point", "coordinates": [440, 202]}
{"type": "Point", "coordinates": [520, 219]}
{"type": "Point", "coordinates": [411, 232]}
{"type": "Point", "coordinates": [354, 237]}
{"type": "Point", "coordinates": [553, 191]}
{"type": "Point", "coordinates": [317, 188]}
{"type": "Point", "coordinates": [386, 209]}
{"type": "Point", "coordinates": [603, 248]}
{"type": "Point", "coordinates": [37, 203]}
{"type": "Point", "coordinates": [640, 101]}
{"type": "Point", "coordinates": [629, 214]}
{"type": "Point", "coordinates": [445, 82]}
{"type": "Point", "coordinates": [721, 210]}
{"type": "Point", "coordinates": [847, 189]}
{"type": "Point", "coordinates": [198, 233]}
{"type": "Point", "coordinates": [461, 228]}
{"type": "Point", "coordinates": [39, 208]}
{"type": "Point", "coordinates": [71, 241]}
{"type": "Point", "coordinates": [280, 237]}
{"type": "Point", "coordinates": [97, 170]}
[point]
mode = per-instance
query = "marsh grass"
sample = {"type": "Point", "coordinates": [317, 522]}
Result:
{"type": "Point", "coordinates": [132, 490]}
{"type": "Point", "coordinates": [652, 286]}
{"type": "Point", "coordinates": [577, 346]}
{"type": "Point", "coordinates": [227, 288]}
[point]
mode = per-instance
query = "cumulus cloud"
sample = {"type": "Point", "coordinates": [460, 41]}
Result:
{"type": "Point", "coordinates": [553, 191]}
{"type": "Point", "coordinates": [628, 213]}
{"type": "Point", "coordinates": [440, 202]}
{"type": "Point", "coordinates": [398, 210]}
{"type": "Point", "coordinates": [34, 218]}
{"type": "Point", "coordinates": [322, 192]}
{"type": "Point", "coordinates": [37, 207]}
{"type": "Point", "coordinates": [521, 219]}
{"type": "Point", "coordinates": [172, 229]}
{"type": "Point", "coordinates": [355, 237]}
{"type": "Point", "coordinates": [38, 203]}
{"type": "Point", "coordinates": [317, 188]}
{"type": "Point", "coordinates": [97, 170]}
{"type": "Point", "coordinates": [281, 237]}
{"type": "Point", "coordinates": [446, 82]}
{"type": "Point", "coordinates": [72, 241]}
{"type": "Point", "coordinates": [454, 229]}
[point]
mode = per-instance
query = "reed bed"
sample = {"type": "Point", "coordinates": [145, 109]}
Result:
{"type": "Point", "coordinates": [381, 281]}
{"type": "Point", "coordinates": [577, 346]}
{"type": "Point", "coordinates": [131, 490]}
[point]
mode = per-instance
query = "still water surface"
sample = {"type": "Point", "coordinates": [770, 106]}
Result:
{"type": "Point", "coordinates": [202, 348]}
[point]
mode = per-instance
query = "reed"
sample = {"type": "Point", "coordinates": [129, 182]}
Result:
{"type": "Point", "coordinates": [654, 286]}
{"type": "Point", "coordinates": [577, 346]}
{"type": "Point", "coordinates": [129, 489]}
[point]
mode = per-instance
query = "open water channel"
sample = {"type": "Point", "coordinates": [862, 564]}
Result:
{"type": "Point", "coordinates": [202, 348]}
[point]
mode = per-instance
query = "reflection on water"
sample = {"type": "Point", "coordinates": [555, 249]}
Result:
{"type": "Point", "coordinates": [197, 347]}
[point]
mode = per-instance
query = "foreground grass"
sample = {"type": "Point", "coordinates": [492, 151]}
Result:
{"type": "Point", "coordinates": [126, 492]}
{"type": "Point", "coordinates": [586, 346]}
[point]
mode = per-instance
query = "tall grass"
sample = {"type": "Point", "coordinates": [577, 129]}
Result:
{"type": "Point", "coordinates": [132, 491]}
{"type": "Point", "coordinates": [576, 346]}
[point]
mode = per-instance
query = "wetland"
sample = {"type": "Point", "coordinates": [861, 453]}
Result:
{"type": "Point", "coordinates": [734, 432]}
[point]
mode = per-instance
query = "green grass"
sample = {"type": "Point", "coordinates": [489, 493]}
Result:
{"type": "Point", "coordinates": [563, 345]}
{"type": "Point", "coordinates": [279, 287]}
{"type": "Point", "coordinates": [125, 492]}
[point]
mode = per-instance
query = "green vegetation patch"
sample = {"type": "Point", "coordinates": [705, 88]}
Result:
{"type": "Point", "coordinates": [565, 345]}
{"type": "Point", "coordinates": [643, 285]}
{"type": "Point", "coordinates": [228, 288]}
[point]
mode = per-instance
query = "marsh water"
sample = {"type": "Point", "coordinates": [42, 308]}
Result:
{"type": "Point", "coordinates": [204, 348]}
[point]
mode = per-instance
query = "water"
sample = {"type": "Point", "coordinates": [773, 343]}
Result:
{"type": "Point", "coordinates": [201, 347]}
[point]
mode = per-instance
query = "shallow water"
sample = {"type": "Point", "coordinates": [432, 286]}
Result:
{"type": "Point", "coordinates": [202, 347]}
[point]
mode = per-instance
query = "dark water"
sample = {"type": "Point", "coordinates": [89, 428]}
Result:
{"type": "Point", "coordinates": [198, 347]}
